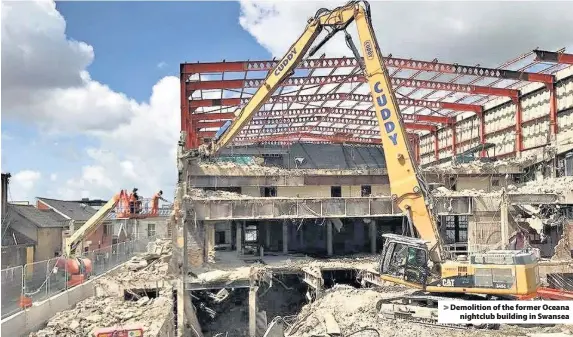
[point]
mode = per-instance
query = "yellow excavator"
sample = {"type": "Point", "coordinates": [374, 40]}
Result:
{"type": "Point", "coordinates": [418, 261]}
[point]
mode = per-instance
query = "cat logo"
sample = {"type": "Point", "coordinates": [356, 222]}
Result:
{"type": "Point", "coordinates": [369, 50]}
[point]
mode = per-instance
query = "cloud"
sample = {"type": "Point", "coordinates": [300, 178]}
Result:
{"type": "Point", "coordinates": [23, 185]}
{"type": "Point", "coordinates": [487, 33]}
{"type": "Point", "coordinates": [45, 82]}
{"type": "Point", "coordinates": [161, 65]}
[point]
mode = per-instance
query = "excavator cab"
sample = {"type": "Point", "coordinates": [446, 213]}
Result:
{"type": "Point", "coordinates": [404, 260]}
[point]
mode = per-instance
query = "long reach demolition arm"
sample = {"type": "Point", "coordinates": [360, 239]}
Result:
{"type": "Point", "coordinates": [89, 226]}
{"type": "Point", "coordinates": [407, 187]}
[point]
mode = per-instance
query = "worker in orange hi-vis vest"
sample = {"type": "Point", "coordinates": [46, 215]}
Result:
{"type": "Point", "coordinates": [155, 203]}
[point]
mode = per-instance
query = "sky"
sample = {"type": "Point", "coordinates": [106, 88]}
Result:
{"type": "Point", "coordinates": [90, 90]}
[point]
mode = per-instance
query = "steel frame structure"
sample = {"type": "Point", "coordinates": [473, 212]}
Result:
{"type": "Point", "coordinates": [335, 105]}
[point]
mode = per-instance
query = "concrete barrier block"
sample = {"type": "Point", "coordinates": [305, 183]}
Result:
{"type": "Point", "coordinates": [13, 325]}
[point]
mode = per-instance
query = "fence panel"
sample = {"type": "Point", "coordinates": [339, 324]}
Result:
{"type": "Point", "coordinates": [36, 277]}
{"type": "Point", "coordinates": [58, 275]}
{"type": "Point", "coordinates": [43, 279]}
{"type": "Point", "coordinates": [101, 260]}
{"type": "Point", "coordinates": [12, 279]}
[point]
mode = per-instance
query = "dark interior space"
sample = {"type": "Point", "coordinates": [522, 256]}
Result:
{"type": "Point", "coordinates": [309, 236]}
{"type": "Point", "coordinates": [222, 311]}
{"type": "Point", "coordinates": [388, 225]}
{"type": "Point", "coordinates": [353, 237]}
{"type": "Point", "coordinates": [136, 294]}
{"type": "Point", "coordinates": [285, 297]}
{"type": "Point", "coordinates": [340, 276]}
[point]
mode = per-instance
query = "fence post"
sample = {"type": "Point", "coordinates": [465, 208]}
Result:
{"type": "Point", "coordinates": [48, 278]}
{"type": "Point", "coordinates": [66, 275]}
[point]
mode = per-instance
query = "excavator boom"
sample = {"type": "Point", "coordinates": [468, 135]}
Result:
{"type": "Point", "coordinates": [417, 261]}
{"type": "Point", "coordinates": [89, 226]}
{"type": "Point", "coordinates": [406, 188]}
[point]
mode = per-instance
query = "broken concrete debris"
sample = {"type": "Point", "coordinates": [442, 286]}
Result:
{"type": "Point", "coordinates": [149, 308]}
{"type": "Point", "coordinates": [477, 166]}
{"type": "Point", "coordinates": [354, 310]}
{"type": "Point", "coordinates": [560, 185]}
{"type": "Point", "coordinates": [195, 193]}
{"type": "Point", "coordinates": [97, 312]}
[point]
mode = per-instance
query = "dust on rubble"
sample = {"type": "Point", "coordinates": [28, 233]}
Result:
{"type": "Point", "coordinates": [110, 308]}
{"type": "Point", "coordinates": [355, 309]}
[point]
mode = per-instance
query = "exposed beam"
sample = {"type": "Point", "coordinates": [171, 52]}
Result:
{"type": "Point", "coordinates": [290, 137]}
{"type": "Point", "coordinates": [212, 116]}
{"type": "Point", "coordinates": [330, 97]}
{"type": "Point", "coordinates": [241, 66]}
{"type": "Point", "coordinates": [322, 80]}
{"type": "Point", "coordinates": [350, 121]}
{"type": "Point", "coordinates": [551, 56]}
{"type": "Point", "coordinates": [315, 111]}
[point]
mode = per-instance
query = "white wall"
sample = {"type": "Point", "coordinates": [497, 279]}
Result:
{"type": "Point", "coordinates": [500, 121]}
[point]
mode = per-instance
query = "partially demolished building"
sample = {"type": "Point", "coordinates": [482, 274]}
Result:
{"type": "Point", "coordinates": [303, 189]}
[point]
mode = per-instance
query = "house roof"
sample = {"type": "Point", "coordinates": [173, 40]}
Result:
{"type": "Point", "coordinates": [72, 209]}
{"type": "Point", "coordinates": [39, 217]}
{"type": "Point", "coordinates": [10, 237]}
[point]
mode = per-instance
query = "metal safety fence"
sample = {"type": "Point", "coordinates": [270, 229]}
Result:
{"type": "Point", "coordinates": [12, 283]}
{"type": "Point", "coordinates": [43, 279]}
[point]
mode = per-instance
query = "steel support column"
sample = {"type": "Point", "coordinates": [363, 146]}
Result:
{"type": "Point", "coordinates": [553, 123]}
{"type": "Point", "coordinates": [186, 123]}
{"type": "Point", "coordinates": [454, 140]}
{"type": "Point", "coordinates": [481, 117]}
{"type": "Point", "coordinates": [518, 127]}
{"type": "Point", "coordinates": [436, 146]}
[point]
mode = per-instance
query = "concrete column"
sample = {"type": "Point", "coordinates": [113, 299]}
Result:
{"type": "Point", "coordinates": [181, 314]}
{"type": "Point", "coordinates": [285, 237]}
{"type": "Point", "coordinates": [239, 243]}
{"type": "Point", "coordinates": [185, 250]}
{"type": "Point", "coordinates": [228, 234]}
{"type": "Point", "coordinates": [329, 237]}
{"type": "Point", "coordinates": [253, 311]}
{"type": "Point", "coordinates": [373, 235]}
{"type": "Point", "coordinates": [268, 228]}
{"type": "Point", "coordinates": [209, 241]}
{"type": "Point", "coordinates": [504, 221]}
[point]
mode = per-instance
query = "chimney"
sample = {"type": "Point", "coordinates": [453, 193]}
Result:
{"type": "Point", "coordinates": [5, 181]}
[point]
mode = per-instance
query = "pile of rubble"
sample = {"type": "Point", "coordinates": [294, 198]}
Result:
{"type": "Point", "coordinates": [255, 169]}
{"type": "Point", "coordinates": [354, 313]}
{"type": "Point", "coordinates": [150, 266]}
{"type": "Point", "coordinates": [561, 185]}
{"type": "Point", "coordinates": [111, 308]}
{"type": "Point", "coordinates": [196, 193]}
{"type": "Point", "coordinates": [477, 166]}
{"type": "Point", "coordinates": [549, 185]}
{"type": "Point", "coordinates": [97, 312]}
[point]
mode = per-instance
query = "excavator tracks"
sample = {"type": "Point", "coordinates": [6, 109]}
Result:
{"type": "Point", "coordinates": [420, 308]}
